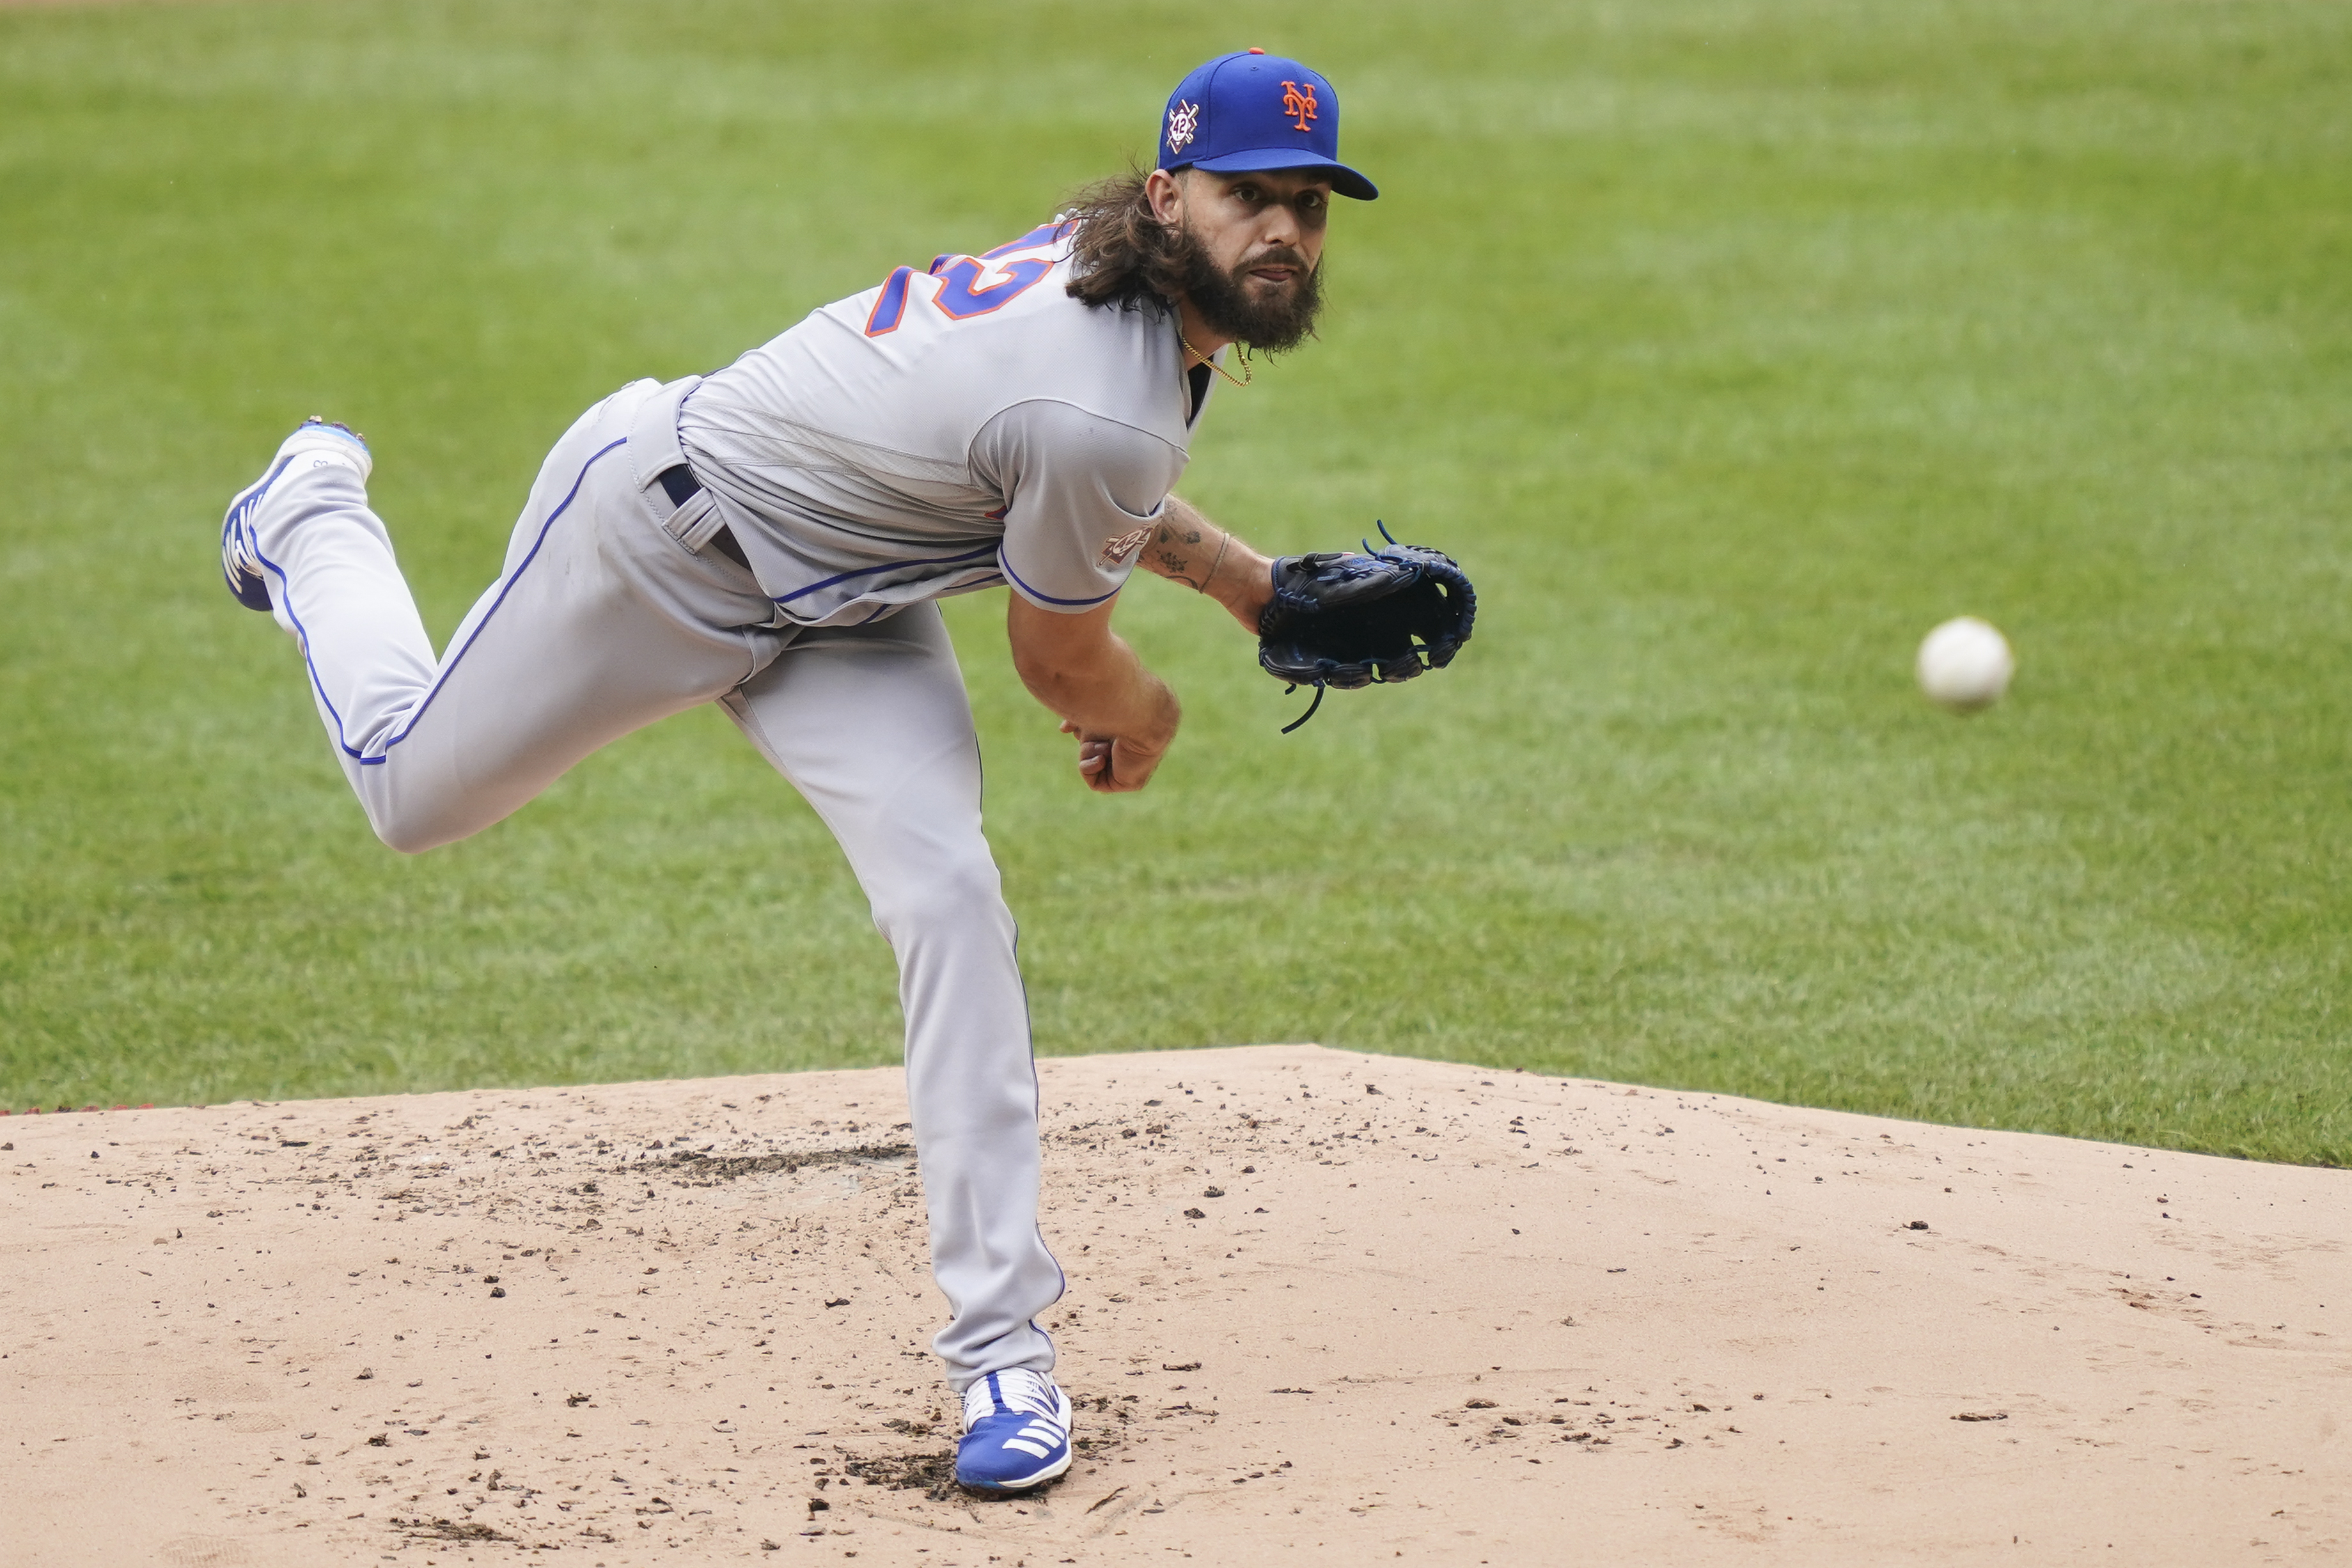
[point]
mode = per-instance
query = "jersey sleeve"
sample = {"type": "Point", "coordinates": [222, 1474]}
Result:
{"type": "Point", "coordinates": [1081, 494]}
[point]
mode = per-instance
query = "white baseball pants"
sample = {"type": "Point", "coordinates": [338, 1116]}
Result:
{"type": "Point", "coordinates": [605, 620]}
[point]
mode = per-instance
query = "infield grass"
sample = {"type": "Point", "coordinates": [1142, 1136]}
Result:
{"type": "Point", "coordinates": [1730, 345]}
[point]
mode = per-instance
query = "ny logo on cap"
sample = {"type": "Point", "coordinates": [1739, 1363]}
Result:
{"type": "Point", "coordinates": [1298, 102]}
{"type": "Point", "coordinates": [1183, 120]}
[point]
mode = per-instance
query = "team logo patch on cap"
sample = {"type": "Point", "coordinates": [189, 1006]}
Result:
{"type": "Point", "coordinates": [1120, 550]}
{"type": "Point", "coordinates": [1183, 121]}
{"type": "Point", "coordinates": [1298, 102]}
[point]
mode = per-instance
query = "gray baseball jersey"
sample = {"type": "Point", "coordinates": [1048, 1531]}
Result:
{"type": "Point", "coordinates": [948, 430]}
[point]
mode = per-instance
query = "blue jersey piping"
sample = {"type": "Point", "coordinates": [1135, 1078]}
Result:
{"type": "Point", "coordinates": [1049, 598]}
{"type": "Point", "coordinates": [888, 566]}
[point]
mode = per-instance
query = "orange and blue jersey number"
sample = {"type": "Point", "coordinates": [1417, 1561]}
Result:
{"type": "Point", "coordinates": [961, 294]}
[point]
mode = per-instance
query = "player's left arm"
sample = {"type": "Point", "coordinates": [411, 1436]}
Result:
{"type": "Point", "coordinates": [1187, 548]}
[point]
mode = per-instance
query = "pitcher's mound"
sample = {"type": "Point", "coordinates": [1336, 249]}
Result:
{"type": "Point", "coordinates": [1323, 1308]}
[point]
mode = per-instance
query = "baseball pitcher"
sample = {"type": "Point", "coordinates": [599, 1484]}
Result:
{"type": "Point", "coordinates": [774, 538]}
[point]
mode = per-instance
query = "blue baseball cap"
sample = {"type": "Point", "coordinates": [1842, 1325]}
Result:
{"type": "Point", "coordinates": [1251, 110]}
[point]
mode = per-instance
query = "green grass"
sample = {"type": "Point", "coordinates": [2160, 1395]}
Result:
{"type": "Point", "coordinates": [1730, 344]}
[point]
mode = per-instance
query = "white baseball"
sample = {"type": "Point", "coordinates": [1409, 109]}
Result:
{"type": "Point", "coordinates": [1965, 664]}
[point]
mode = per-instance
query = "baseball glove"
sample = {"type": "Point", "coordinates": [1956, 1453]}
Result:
{"type": "Point", "coordinates": [1346, 621]}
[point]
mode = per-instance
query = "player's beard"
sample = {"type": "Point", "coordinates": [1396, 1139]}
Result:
{"type": "Point", "coordinates": [1270, 323]}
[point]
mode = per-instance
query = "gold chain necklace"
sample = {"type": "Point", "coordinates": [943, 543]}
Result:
{"type": "Point", "coordinates": [1240, 353]}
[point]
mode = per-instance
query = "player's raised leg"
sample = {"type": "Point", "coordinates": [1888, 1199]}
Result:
{"type": "Point", "coordinates": [600, 623]}
{"type": "Point", "coordinates": [309, 511]}
{"type": "Point", "coordinates": [872, 725]}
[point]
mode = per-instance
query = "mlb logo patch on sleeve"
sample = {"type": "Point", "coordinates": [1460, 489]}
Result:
{"type": "Point", "coordinates": [1121, 551]}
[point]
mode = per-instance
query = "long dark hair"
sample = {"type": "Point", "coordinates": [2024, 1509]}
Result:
{"type": "Point", "coordinates": [1122, 254]}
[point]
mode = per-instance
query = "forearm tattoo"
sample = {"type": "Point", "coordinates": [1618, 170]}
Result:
{"type": "Point", "coordinates": [1178, 553]}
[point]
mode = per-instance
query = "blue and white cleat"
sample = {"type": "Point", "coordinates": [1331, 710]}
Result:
{"type": "Point", "coordinates": [1017, 1433]}
{"type": "Point", "coordinates": [331, 443]}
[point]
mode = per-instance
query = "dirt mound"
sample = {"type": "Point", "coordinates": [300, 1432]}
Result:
{"type": "Point", "coordinates": [1322, 1308]}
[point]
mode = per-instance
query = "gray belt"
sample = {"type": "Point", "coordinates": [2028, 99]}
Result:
{"type": "Point", "coordinates": [679, 484]}
{"type": "Point", "coordinates": [655, 449]}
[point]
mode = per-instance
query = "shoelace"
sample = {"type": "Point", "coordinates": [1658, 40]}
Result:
{"type": "Point", "coordinates": [239, 546]}
{"type": "Point", "coordinates": [242, 558]}
{"type": "Point", "coordinates": [1015, 1393]}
